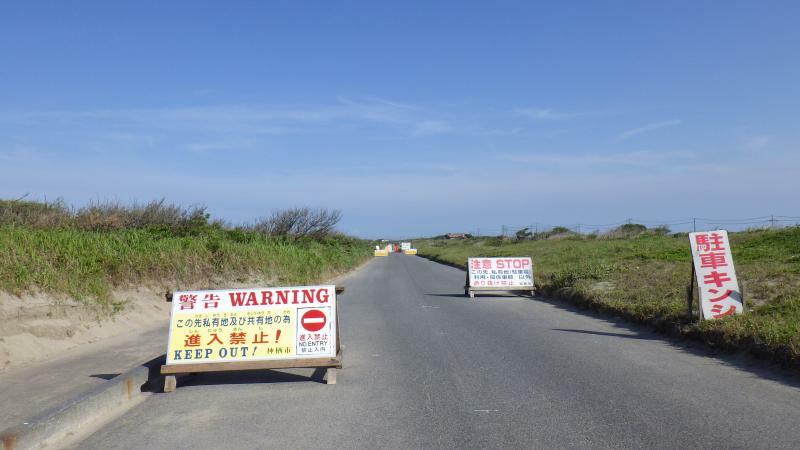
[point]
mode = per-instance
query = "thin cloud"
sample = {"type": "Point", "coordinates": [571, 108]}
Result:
{"type": "Point", "coordinates": [758, 142]}
{"type": "Point", "coordinates": [204, 147]}
{"type": "Point", "coordinates": [639, 158]}
{"type": "Point", "coordinates": [202, 92]}
{"type": "Point", "coordinates": [343, 109]}
{"type": "Point", "coordinates": [431, 127]}
{"type": "Point", "coordinates": [544, 113]}
{"type": "Point", "coordinates": [647, 128]}
{"type": "Point", "coordinates": [246, 119]}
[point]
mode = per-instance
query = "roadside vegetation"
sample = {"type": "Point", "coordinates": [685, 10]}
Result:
{"type": "Point", "coordinates": [643, 274]}
{"type": "Point", "coordinates": [87, 253]}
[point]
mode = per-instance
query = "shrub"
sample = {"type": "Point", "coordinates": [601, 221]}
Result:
{"type": "Point", "coordinates": [156, 215]}
{"type": "Point", "coordinates": [300, 222]}
{"type": "Point", "coordinates": [35, 214]}
{"type": "Point", "coordinates": [627, 230]}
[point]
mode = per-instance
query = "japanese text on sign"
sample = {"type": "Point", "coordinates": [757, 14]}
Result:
{"type": "Point", "coordinates": [252, 324]}
{"type": "Point", "coordinates": [501, 273]}
{"type": "Point", "coordinates": [716, 278]}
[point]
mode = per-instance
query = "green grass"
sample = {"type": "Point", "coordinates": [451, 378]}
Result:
{"type": "Point", "coordinates": [644, 278]}
{"type": "Point", "coordinates": [88, 265]}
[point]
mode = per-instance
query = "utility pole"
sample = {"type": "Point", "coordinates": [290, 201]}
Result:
{"type": "Point", "coordinates": [694, 223]}
{"type": "Point", "coordinates": [504, 232]}
{"type": "Point", "coordinates": [772, 220]}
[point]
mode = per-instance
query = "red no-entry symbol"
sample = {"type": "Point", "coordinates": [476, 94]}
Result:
{"type": "Point", "coordinates": [313, 320]}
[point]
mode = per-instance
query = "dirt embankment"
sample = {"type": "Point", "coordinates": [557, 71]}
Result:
{"type": "Point", "coordinates": [35, 327]}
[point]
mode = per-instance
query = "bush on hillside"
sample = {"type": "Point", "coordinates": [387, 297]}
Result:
{"type": "Point", "coordinates": [155, 215]}
{"type": "Point", "coordinates": [630, 230]}
{"type": "Point", "coordinates": [36, 214]}
{"type": "Point", "coordinates": [523, 234]}
{"type": "Point", "coordinates": [105, 216]}
{"type": "Point", "coordinates": [300, 222]}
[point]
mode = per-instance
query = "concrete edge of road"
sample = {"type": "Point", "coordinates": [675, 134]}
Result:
{"type": "Point", "coordinates": [72, 419]}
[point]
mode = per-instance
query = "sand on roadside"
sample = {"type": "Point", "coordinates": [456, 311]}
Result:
{"type": "Point", "coordinates": [37, 327]}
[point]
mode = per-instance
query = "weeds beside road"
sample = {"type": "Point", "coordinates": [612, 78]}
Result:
{"type": "Point", "coordinates": [88, 253]}
{"type": "Point", "coordinates": [644, 278]}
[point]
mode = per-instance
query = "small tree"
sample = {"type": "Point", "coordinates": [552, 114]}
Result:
{"type": "Point", "coordinates": [300, 222]}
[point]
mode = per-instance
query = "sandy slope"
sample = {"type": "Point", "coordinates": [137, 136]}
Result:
{"type": "Point", "coordinates": [37, 327]}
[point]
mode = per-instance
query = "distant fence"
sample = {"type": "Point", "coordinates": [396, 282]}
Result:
{"type": "Point", "coordinates": [680, 225]}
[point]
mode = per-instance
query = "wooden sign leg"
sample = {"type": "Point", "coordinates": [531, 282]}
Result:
{"type": "Point", "coordinates": [741, 294]}
{"type": "Point", "coordinates": [330, 376]}
{"type": "Point", "coordinates": [170, 383]}
{"type": "Point", "coordinates": [690, 296]}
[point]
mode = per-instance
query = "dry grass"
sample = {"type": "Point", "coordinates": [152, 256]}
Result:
{"type": "Point", "coordinates": [88, 252]}
{"type": "Point", "coordinates": [104, 216]}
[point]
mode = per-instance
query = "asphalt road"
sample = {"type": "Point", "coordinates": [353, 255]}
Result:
{"type": "Point", "coordinates": [427, 367]}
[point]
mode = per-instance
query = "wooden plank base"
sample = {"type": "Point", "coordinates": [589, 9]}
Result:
{"type": "Point", "coordinates": [472, 290]}
{"type": "Point", "coordinates": [172, 371]}
{"type": "Point", "coordinates": [252, 365]}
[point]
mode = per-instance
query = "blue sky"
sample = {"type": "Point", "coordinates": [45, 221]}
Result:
{"type": "Point", "coordinates": [413, 118]}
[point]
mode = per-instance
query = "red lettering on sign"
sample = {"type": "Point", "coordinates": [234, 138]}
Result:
{"type": "Point", "coordinates": [211, 300]}
{"type": "Point", "coordinates": [716, 278]}
{"type": "Point", "coordinates": [716, 311]}
{"type": "Point", "coordinates": [214, 338]}
{"type": "Point", "coordinates": [192, 340]}
{"type": "Point", "coordinates": [238, 338]}
{"type": "Point", "coordinates": [237, 298]}
{"type": "Point", "coordinates": [718, 298]}
{"type": "Point", "coordinates": [283, 297]}
{"type": "Point", "coordinates": [713, 260]}
{"type": "Point", "coordinates": [704, 243]}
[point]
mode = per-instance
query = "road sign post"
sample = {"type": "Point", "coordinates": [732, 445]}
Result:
{"type": "Point", "coordinates": [499, 274]}
{"type": "Point", "coordinates": [252, 329]}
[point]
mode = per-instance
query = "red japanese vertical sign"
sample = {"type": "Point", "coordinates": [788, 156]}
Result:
{"type": "Point", "coordinates": [716, 278]}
